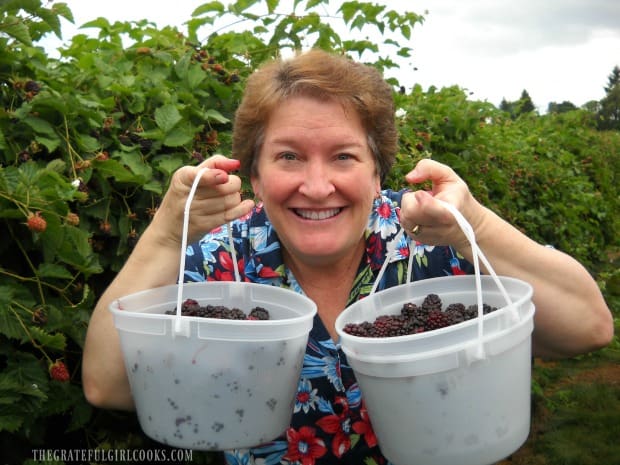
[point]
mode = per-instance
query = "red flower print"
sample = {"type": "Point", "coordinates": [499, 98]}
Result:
{"type": "Point", "coordinates": [340, 426]}
{"type": "Point", "coordinates": [304, 446]}
{"type": "Point", "coordinates": [404, 251]}
{"type": "Point", "coordinates": [227, 271]}
{"type": "Point", "coordinates": [384, 210]}
{"type": "Point", "coordinates": [267, 272]}
{"type": "Point", "coordinates": [364, 428]}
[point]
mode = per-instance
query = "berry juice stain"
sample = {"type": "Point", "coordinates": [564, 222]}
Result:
{"type": "Point", "coordinates": [443, 389]}
{"type": "Point", "coordinates": [271, 403]}
{"type": "Point", "coordinates": [195, 356]}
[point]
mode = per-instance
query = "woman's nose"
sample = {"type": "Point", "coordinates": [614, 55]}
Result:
{"type": "Point", "coordinates": [317, 182]}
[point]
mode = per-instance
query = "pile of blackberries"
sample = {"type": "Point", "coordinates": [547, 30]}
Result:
{"type": "Point", "coordinates": [191, 307]}
{"type": "Point", "coordinates": [414, 319]}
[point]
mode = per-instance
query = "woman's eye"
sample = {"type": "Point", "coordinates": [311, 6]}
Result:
{"type": "Point", "coordinates": [288, 156]}
{"type": "Point", "coordinates": [344, 156]}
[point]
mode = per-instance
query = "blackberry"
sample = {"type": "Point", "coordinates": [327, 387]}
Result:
{"type": "Point", "coordinates": [390, 326]}
{"type": "Point", "coordinates": [191, 307]}
{"type": "Point", "coordinates": [409, 310]}
{"type": "Point", "coordinates": [431, 302]}
{"type": "Point", "coordinates": [456, 312]}
{"type": "Point", "coordinates": [486, 309]}
{"type": "Point", "coordinates": [437, 319]}
{"type": "Point", "coordinates": [259, 313]}
{"type": "Point", "coordinates": [416, 318]}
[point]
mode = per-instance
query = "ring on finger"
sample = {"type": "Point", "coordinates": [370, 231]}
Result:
{"type": "Point", "coordinates": [416, 230]}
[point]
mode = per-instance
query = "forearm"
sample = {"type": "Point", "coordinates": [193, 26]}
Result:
{"type": "Point", "coordinates": [571, 315]}
{"type": "Point", "coordinates": [152, 264]}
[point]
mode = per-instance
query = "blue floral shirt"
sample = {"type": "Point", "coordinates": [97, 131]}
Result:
{"type": "Point", "coordinates": [330, 423]}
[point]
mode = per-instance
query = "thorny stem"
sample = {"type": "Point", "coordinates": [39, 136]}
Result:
{"type": "Point", "coordinates": [32, 340]}
{"type": "Point", "coordinates": [70, 148]}
{"type": "Point", "coordinates": [32, 268]}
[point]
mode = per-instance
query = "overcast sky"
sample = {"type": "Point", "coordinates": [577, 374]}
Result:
{"type": "Point", "coordinates": [555, 49]}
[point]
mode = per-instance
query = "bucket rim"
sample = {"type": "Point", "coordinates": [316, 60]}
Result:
{"type": "Point", "coordinates": [445, 350]}
{"type": "Point", "coordinates": [309, 311]}
{"type": "Point", "coordinates": [345, 315]}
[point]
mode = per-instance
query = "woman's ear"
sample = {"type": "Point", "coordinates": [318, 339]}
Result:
{"type": "Point", "coordinates": [256, 187]}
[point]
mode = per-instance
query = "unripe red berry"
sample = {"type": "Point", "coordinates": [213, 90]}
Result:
{"type": "Point", "coordinates": [59, 372]}
{"type": "Point", "coordinates": [36, 222]}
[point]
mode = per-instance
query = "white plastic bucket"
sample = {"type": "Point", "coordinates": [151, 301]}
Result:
{"type": "Point", "coordinates": [455, 395]}
{"type": "Point", "coordinates": [430, 398]}
{"type": "Point", "coordinates": [213, 384]}
{"type": "Point", "coordinates": [228, 383]}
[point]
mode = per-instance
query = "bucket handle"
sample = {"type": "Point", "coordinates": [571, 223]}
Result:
{"type": "Point", "coordinates": [477, 257]}
{"type": "Point", "coordinates": [181, 326]}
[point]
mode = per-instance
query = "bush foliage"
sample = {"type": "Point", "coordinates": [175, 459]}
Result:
{"type": "Point", "coordinates": [88, 143]}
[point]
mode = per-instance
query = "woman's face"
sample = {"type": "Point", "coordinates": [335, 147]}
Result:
{"type": "Point", "coordinates": [317, 179]}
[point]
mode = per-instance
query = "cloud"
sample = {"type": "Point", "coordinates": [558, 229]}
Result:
{"type": "Point", "coordinates": [492, 27]}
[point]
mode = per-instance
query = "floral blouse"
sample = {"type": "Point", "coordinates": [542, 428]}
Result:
{"type": "Point", "coordinates": [330, 423]}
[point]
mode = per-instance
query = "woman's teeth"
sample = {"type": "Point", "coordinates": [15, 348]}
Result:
{"type": "Point", "coordinates": [318, 214]}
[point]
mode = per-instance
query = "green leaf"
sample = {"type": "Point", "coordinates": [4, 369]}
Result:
{"type": "Point", "coordinates": [114, 169]}
{"type": "Point", "coordinates": [179, 136]}
{"type": "Point", "coordinates": [50, 144]}
{"type": "Point", "coordinates": [167, 116]}
{"type": "Point", "coordinates": [136, 164]}
{"type": "Point", "coordinates": [53, 341]}
{"type": "Point", "coordinates": [10, 420]}
{"type": "Point", "coordinates": [153, 186]}
{"type": "Point", "coordinates": [168, 165]}
{"type": "Point", "coordinates": [52, 270]}
{"type": "Point", "coordinates": [195, 76]}
{"type": "Point", "coordinates": [9, 324]}
{"type": "Point", "coordinates": [81, 415]}
{"type": "Point", "coordinates": [75, 250]}
{"type": "Point", "coordinates": [88, 143]}
{"type": "Point", "coordinates": [214, 115]}
{"type": "Point", "coordinates": [6, 295]}
{"type": "Point", "coordinates": [272, 4]}
{"type": "Point", "coordinates": [40, 126]}
{"type": "Point", "coordinates": [348, 10]}
{"type": "Point", "coordinates": [16, 28]}
{"type": "Point", "coordinates": [216, 7]}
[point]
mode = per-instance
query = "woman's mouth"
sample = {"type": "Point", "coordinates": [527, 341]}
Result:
{"type": "Point", "coordinates": [317, 214]}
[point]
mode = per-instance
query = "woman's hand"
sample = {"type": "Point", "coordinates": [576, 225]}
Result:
{"type": "Point", "coordinates": [217, 200]}
{"type": "Point", "coordinates": [428, 220]}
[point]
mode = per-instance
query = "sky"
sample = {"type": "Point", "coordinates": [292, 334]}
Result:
{"type": "Point", "coordinates": [556, 50]}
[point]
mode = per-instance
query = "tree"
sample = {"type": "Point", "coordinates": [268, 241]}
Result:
{"type": "Point", "coordinates": [609, 113]}
{"type": "Point", "coordinates": [613, 79]}
{"type": "Point", "coordinates": [563, 107]}
{"type": "Point", "coordinates": [520, 107]}
{"type": "Point", "coordinates": [508, 107]}
{"type": "Point", "coordinates": [524, 104]}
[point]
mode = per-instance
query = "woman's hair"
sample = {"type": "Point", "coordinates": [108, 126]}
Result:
{"type": "Point", "coordinates": [324, 76]}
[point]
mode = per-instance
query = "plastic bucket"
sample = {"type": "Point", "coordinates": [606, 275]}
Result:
{"type": "Point", "coordinates": [222, 384]}
{"type": "Point", "coordinates": [430, 397]}
{"type": "Point", "coordinates": [455, 395]}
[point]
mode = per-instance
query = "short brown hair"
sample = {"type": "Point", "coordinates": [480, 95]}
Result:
{"type": "Point", "coordinates": [322, 75]}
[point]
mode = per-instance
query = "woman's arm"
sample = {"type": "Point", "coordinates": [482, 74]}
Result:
{"type": "Point", "coordinates": [571, 315]}
{"type": "Point", "coordinates": [155, 262]}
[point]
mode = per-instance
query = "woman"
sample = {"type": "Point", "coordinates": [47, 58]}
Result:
{"type": "Point", "coordinates": [316, 135]}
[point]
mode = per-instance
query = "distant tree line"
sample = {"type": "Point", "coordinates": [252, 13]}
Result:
{"type": "Point", "coordinates": [607, 110]}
